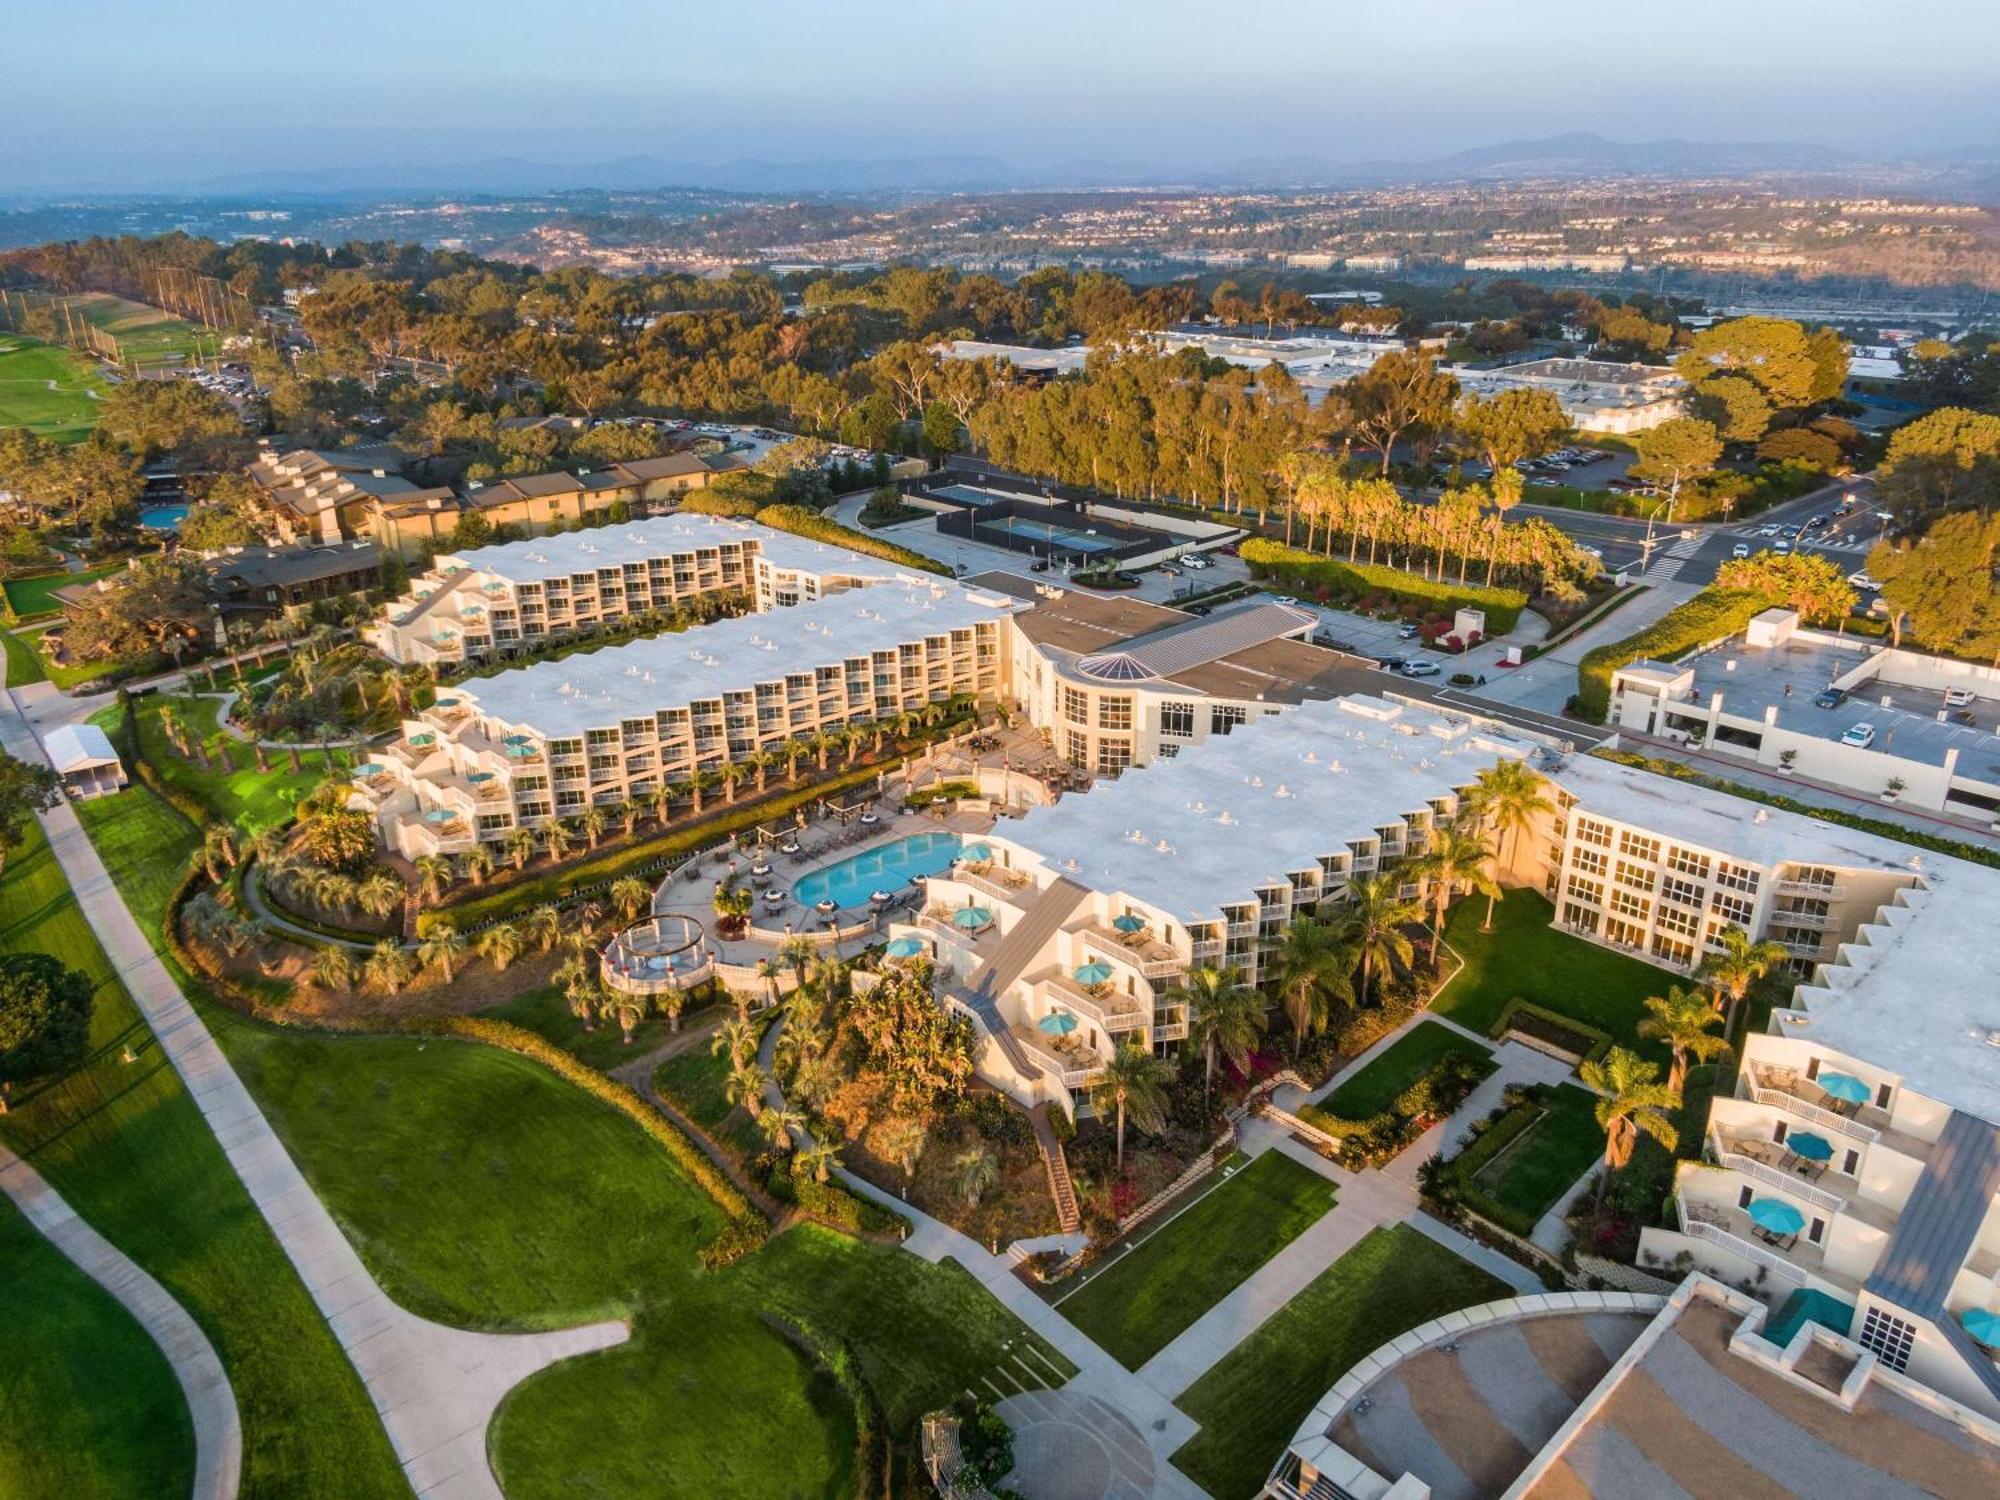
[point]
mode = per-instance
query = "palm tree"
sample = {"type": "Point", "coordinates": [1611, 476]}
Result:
{"type": "Point", "coordinates": [1735, 964]}
{"type": "Point", "coordinates": [1313, 966]}
{"type": "Point", "coordinates": [761, 763]}
{"type": "Point", "coordinates": [823, 741]}
{"type": "Point", "coordinates": [799, 952]}
{"type": "Point", "coordinates": [558, 838]}
{"type": "Point", "coordinates": [745, 1088]}
{"type": "Point", "coordinates": [477, 863]}
{"type": "Point", "coordinates": [1631, 1101]}
{"type": "Point", "coordinates": [218, 852]}
{"type": "Point", "coordinates": [820, 1159]}
{"type": "Point", "coordinates": [593, 821]}
{"type": "Point", "coordinates": [1133, 1083]}
{"type": "Point", "coordinates": [388, 966]}
{"type": "Point", "coordinates": [545, 925]}
{"type": "Point", "coordinates": [439, 950]}
{"type": "Point", "coordinates": [975, 1172]}
{"type": "Point", "coordinates": [1507, 797]}
{"type": "Point", "coordinates": [1224, 1016]}
{"type": "Point", "coordinates": [660, 802]}
{"type": "Point", "coordinates": [1682, 1018]}
{"type": "Point", "coordinates": [902, 1139]}
{"type": "Point", "coordinates": [1377, 912]}
{"type": "Point", "coordinates": [502, 943]}
{"type": "Point", "coordinates": [333, 969]}
{"type": "Point", "coordinates": [630, 1011]}
{"type": "Point", "coordinates": [731, 774]}
{"type": "Point", "coordinates": [780, 1124]}
{"type": "Point", "coordinates": [792, 749]}
{"type": "Point", "coordinates": [736, 1037]}
{"type": "Point", "coordinates": [1452, 858]}
{"type": "Point", "coordinates": [627, 813]}
{"type": "Point", "coordinates": [433, 878]}
{"type": "Point", "coordinates": [520, 846]}
{"type": "Point", "coordinates": [631, 896]}
{"type": "Point", "coordinates": [380, 892]}
{"type": "Point", "coordinates": [579, 989]}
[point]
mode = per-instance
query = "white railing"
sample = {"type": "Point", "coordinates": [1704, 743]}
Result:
{"type": "Point", "coordinates": [1778, 1178]}
{"type": "Point", "coordinates": [1840, 1124]}
{"type": "Point", "coordinates": [1735, 1244]}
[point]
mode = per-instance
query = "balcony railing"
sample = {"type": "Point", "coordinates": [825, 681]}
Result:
{"type": "Point", "coordinates": [1152, 959]}
{"type": "Point", "coordinates": [1715, 1234]}
{"type": "Point", "coordinates": [1730, 1152]}
{"type": "Point", "coordinates": [1807, 888]}
{"type": "Point", "coordinates": [1789, 1101]}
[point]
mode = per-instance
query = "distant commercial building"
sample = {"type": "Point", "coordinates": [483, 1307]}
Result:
{"type": "Point", "coordinates": [1596, 395]}
{"type": "Point", "coordinates": [1067, 360]}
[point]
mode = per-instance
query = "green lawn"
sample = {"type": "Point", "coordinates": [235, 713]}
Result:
{"type": "Point", "coordinates": [148, 335]}
{"type": "Point", "coordinates": [485, 1191]}
{"type": "Point", "coordinates": [692, 1081]}
{"type": "Point", "coordinates": [88, 1404]}
{"type": "Point", "coordinates": [546, 1013]}
{"type": "Point", "coordinates": [36, 596]}
{"type": "Point", "coordinates": [1148, 1295]}
{"type": "Point", "coordinates": [1252, 1401]}
{"type": "Point", "coordinates": [47, 389]}
{"type": "Point", "coordinates": [145, 845]}
{"type": "Point", "coordinates": [245, 796]}
{"type": "Point", "coordinates": [1538, 1166]}
{"type": "Point", "coordinates": [1525, 957]}
{"type": "Point", "coordinates": [23, 665]}
{"type": "Point", "coordinates": [125, 1145]}
{"type": "Point", "coordinates": [1407, 1059]}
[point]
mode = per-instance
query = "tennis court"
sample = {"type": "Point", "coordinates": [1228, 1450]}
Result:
{"type": "Point", "coordinates": [1049, 534]}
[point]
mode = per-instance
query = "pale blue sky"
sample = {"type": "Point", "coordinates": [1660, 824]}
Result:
{"type": "Point", "coordinates": [140, 93]}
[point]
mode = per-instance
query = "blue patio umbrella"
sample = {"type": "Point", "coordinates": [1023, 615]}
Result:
{"type": "Point", "coordinates": [1129, 923]}
{"type": "Point", "coordinates": [1776, 1215]}
{"type": "Point", "coordinates": [970, 917]}
{"type": "Point", "coordinates": [905, 947]}
{"type": "Point", "coordinates": [1844, 1087]}
{"type": "Point", "coordinates": [1057, 1023]}
{"type": "Point", "coordinates": [1809, 1145]}
{"type": "Point", "coordinates": [1094, 972]}
{"type": "Point", "coordinates": [1982, 1325]}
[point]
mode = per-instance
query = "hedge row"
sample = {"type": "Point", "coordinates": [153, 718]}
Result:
{"type": "Point", "coordinates": [1491, 1141]}
{"type": "Point", "coordinates": [503, 900]}
{"type": "Point", "coordinates": [180, 800]}
{"type": "Point", "coordinates": [1308, 572]}
{"type": "Point", "coordinates": [1708, 616]}
{"type": "Point", "coordinates": [1434, 1096]}
{"type": "Point", "coordinates": [1522, 1015]}
{"type": "Point", "coordinates": [800, 521]}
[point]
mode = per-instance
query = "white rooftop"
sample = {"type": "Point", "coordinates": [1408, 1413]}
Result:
{"type": "Point", "coordinates": [597, 689]}
{"type": "Point", "coordinates": [1921, 998]}
{"type": "Point", "coordinates": [78, 747]}
{"type": "Point", "coordinates": [1721, 822]}
{"type": "Point", "coordinates": [572, 552]}
{"type": "Point", "coordinates": [1242, 811]}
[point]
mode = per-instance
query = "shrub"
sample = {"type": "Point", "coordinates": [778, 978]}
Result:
{"type": "Point", "coordinates": [1373, 584]}
{"type": "Point", "coordinates": [1551, 1026]}
{"type": "Point", "coordinates": [1709, 616]}
{"type": "Point", "coordinates": [811, 524]}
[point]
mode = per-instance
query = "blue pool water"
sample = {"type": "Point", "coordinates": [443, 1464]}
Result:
{"type": "Point", "coordinates": [1058, 536]}
{"type": "Point", "coordinates": [887, 868]}
{"type": "Point", "coordinates": [162, 517]}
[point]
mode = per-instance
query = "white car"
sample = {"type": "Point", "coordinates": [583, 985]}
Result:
{"type": "Point", "coordinates": [1596, 552]}
{"type": "Point", "coordinates": [1864, 581]}
{"type": "Point", "coordinates": [1860, 736]}
{"type": "Point", "coordinates": [1741, 549]}
{"type": "Point", "coordinates": [1196, 561]}
{"type": "Point", "coordinates": [1957, 697]}
{"type": "Point", "coordinates": [1420, 668]}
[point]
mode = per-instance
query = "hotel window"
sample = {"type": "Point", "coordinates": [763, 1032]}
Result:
{"type": "Point", "coordinates": [1889, 1336]}
{"type": "Point", "coordinates": [1736, 877]}
{"type": "Point", "coordinates": [1114, 713]}
{"type": "Point", "coordinates": [1590, 861]}
{"type": "Point", "coordinates": [1076, 705]}
{"type": "Point", "coordinates": [1177, 719]}
{"type": "Point", "coordinates": [1586, 890]}
{"type": "Point", "coordinates": [1624, 934]}
{"type": "Point", "coordinates": [1638, 846]}
{"type": "Point", "coordinates": [1673, 950]}
{"type": "Point", "coordinates": [1685, 923]}
{"type": "Point", "coordinates": [1582, 918]}
{"type": "Point", "coordinates": [1686, 892]}
{"type": "Point", "coordinates": [1223, 718]}
{"type": "Point", "coordinates": [1590, 831]}
{"type": "Point", "coordinates": [1733, 911]}
{"type": "Point", "coordinates": [1113, 756]}
{"type": "Point", "coordinates": [1687, 862]}
{"type": "Point", "coordinates": [1639, 877]}
{"type": "Point", "coordinates": [1628, 905]}
{"type": "Point", "coordinates": [1079, 748]}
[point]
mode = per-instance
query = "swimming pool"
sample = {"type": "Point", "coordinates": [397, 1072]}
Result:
{"type": "Point", "coordinates": [1055, 536]}
{"type": "Point", "coordinates": [972, 495]}
{"type": "Point", "coordinates": [162, 517]}
{"type": "Point", "coordinates": [887, 868]}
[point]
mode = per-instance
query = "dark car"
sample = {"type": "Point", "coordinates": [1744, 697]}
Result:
{"type": "Point", "coordinates": [1040, 565]}
{"type": "Point", "coordinates": [1391, 663]}
{"type": "Point", "coordinates": [1831, 697]}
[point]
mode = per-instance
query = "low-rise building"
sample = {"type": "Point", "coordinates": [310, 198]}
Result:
{"type": "Point", "coordinates": [85, 760]}
{"type": "Point", "coordinates": [1596, 395]}
{"type": "Point", "coordinates": [329, 495]}
{"type": "Point", "coordinates": [274, 580]}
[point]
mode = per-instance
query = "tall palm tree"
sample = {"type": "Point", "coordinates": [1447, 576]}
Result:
{"type": "Point", "coordinates": [1735, 964]}
{"type": "Point", "coordinates": [1376, 914]}
{"type": "Point", "coordinates": [380, 892]}
{"type": "Point", "coordinates": [799, 952]}
{"type": "Point", "coordinates": [732, 774]}
{"type": "Point", "coordinates": [780, 1124]}
{"type": "Point", "coordinates": [631, 896]}
{"type": "Point", "coordinates": [1507, 797]}
{"type": "Point", "coordinates": [975, 1172]}
{"type": "Point", "coordinates": [822, 742]}
{"type": "Point", "coordinates": [1133, 1083]}
{"type": "Point", "coordinates": [502, 943]}
{"type": "Point", "coordinates": [736, 1037]}
{"type": "Point", "coordinates": [593, 821]}
{"type": "Point", "coordinates": [1631, 1101]}
{"type": "Point", "coordinates": [333, 969]}
{"type": "Point", "coordinates": [441, 948]}
{"type": "Point", "coordinates": [1312, 967]}
{"type": "Point", "coordinates": [520, 845]}
{"type": "Point", "coordinates": [545, 925]}
{"type": "Point", "coordinates": [745, 1088]}
{"type": "Point", "coordinates": [760, 763]}
{"type": "Point", "coordinates": [1453, 858]}
{"type": "Point", "coordinates": [630, 1011]}
{"type": "Point", "coordinates": [660, 802]}
{"type": "Point", "coordinates": [388, 967]}
{"type": "Point", "coordinates": [558, 838]}
{"type": "Point", "coordinates": [433, 878]}
{"type": "Point", "coordinates": [1225, 1016]}
{"type": "Point", "coordinates": [819, 1159]}
{"type": "Point", "coordinates": [579, 991]}
{"type": "Point", "coordinates": [1683, 1020]}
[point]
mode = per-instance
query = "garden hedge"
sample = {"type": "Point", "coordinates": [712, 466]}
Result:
{"type": "Point", "coordinates": [1710, 615]}
{"type": "Point", "coordinates": [1491, 1141]}
{"type": "Point", "coordinates": [1308, 572]}
{"type": "Point", "coordinates": [1517, 1010]}
{"type": "Point", "coordinates": [800, 521]}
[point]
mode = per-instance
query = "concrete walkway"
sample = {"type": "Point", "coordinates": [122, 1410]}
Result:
{"type": "Point", "coordinates": [218, 1432]}
{"type": "Point", "coordinates": [434, 1387]}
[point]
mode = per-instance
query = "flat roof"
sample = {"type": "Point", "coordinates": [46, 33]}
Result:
{"type": "Point", "coordinates": [597, 689]}
{"type": "Point", "coordinates": [1240, 811]}
{"type": "Point", "coordinates": [570, 552]}
{"type": "Point", "coordinates": [1022, 357]}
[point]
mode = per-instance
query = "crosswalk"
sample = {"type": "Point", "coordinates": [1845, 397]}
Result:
{"type": "Point", "coordinates": [1669, 563]}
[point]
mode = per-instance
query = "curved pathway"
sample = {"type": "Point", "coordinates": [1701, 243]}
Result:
{"type": "Point", "coordinates": [435, 1388]}
{"type": "Point", "coordinates": [218, 1431]}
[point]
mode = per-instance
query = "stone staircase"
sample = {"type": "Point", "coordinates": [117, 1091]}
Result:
{"type": "Point", "coordinates": [1057, 1166]}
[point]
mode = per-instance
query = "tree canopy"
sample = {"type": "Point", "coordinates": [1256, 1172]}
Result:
{"type": "Point", "coordinates": [44, 1015]}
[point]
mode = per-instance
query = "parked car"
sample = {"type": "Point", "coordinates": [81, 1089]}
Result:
{"type": "Point", "coordinates": [1957, 697]}
{"type": "Point", "coordinates": [1782, 545]}
{"type": "Point", "coordinates": [1409, 630]}
{"type": "Point", "coordinates": [1860, 736]}
{"type": "Point", "coordinates": [1420, 668]}
{"type": "Point", "coordinates": [1741, 549]}
{"type": "Point", "coordinates": [1391, 663]}
{"type": "Point", "coordinates": [1865, 580]}
{"type": "Point", "coordinates": [1831, 697]}
{"type": "Point", "coordinates": [1767, 531]}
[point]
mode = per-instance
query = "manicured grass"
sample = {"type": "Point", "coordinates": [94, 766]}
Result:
{"type": "Point", "coordinates": [693, 1080]}
{"type": "Point", "coordinates": [31, 597]}
{"type": "Point", "coordinates": [23, 665]}
{"type": "Point", "coordinates": [483, 1190]}
{"type": "Point", "coordinates": [147, 335]}
{"type": "Point", "coordinates": [1539, 1166]}
{"type": "Point", "coordinates": [145, 845]}
{"type": "Point", "coordinates": [125, 1145]}
{"type": "Point", "coordinates": [546, 1013]}
{"type": "Point", "coordinates": [1252, 1401]}
{"type": "Point", "coordinates": [244, 797]}
{"type": "Point", "coordinates": [1524, 956]}
{"type": "Point", "coordinates": [46, 389]}
{"type": "Point", "coordinates": [1148, 1295]}
{"type": "Point", "coordinates": [1408, 1058]}
{"type": "Point", "coordinates": [88, 1402]}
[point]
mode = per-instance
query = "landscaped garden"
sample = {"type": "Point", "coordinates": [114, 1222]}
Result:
{"type": "Point", "coordinates": [1521, 1163]}
{"type": "Point", "coordinates": [1524, 957]}
{"type": "Point", "coordinates": [1146, 1294]}
{"type": "Point", "coordinates": [1251, 1402]}
{"type": "Point", "coordinates": [1419, 1079]}
{"type": "Point", "coordinates": [1412, 1055]}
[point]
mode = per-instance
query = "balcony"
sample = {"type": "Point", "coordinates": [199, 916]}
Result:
{"type": "Point", "coordinates": [1071, 1064]}
{"type": "Point", "coordinates": [1112, 1011]}
{"type": "Point", "coordinates": [1731, 1230]}
{"type": "Point", "coordinates": [1785, 1089]}
{"type": "Point", "coordinates": [1808, 888]}
{"type": "Point", "coordinates": [1152, 958]}
{"type": "Point", "coordinates": [988, 879]}
{"type": "Point", "coordinates": [1815, 921]}
{"type": "Point", "coordinates": [1770, 1164]}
